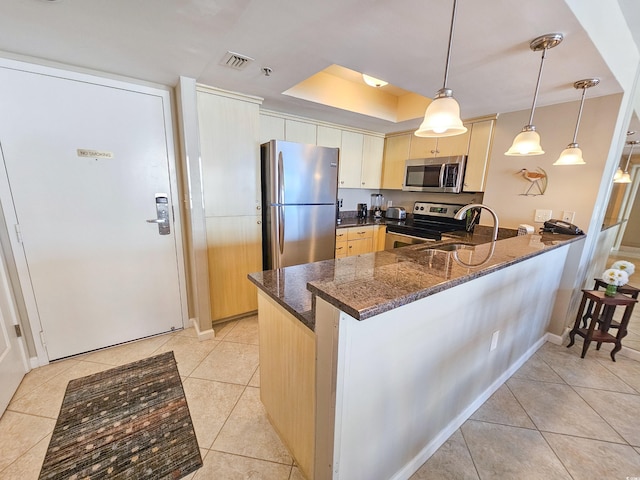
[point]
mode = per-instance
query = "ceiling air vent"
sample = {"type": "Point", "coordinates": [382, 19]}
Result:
{"type": "Point", "coordinates": [235, 60]}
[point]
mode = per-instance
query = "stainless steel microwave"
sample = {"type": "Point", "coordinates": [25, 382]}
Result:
{"type": "Point", "coordinates": [438, 175]}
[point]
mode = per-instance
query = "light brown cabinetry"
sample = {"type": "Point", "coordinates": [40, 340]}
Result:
{"type": "Point", "coordinates": [359, 240]}
{"type": "Point", "coordinates": [475, 176]}
{"type": "Point", "coordinates": [422, 147]}
{"type": "Point", "coordinates": [475, 143]}
{"type": "Point", "coordinates": [235, 250]}
{"type": "Point", "coordinates": [288, 370]}
{"type": "Point", "coordinates": [229, 143]}
{"type": "Point", "coordinates": [396, 152]}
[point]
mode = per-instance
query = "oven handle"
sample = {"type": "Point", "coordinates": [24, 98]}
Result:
{"type": "Point", "coordinates": [426, 240]}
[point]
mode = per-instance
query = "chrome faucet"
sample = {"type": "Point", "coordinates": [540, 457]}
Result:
{"type": "Point", "coordinates": [460, 214]}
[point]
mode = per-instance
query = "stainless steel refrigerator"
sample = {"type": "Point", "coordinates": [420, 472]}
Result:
{"type": "Point", "coordinates": [299, 190]}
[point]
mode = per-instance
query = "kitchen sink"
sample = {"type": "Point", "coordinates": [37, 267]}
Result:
{"type": "Point", "coordinates": [448, 247]}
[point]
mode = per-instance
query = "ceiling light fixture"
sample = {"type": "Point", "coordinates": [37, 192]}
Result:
{"type": "Point", "coordinates": [442, 118]}
{"type": "Point", "coordinates": [373, 82]}
{"type": "Point", "coordinates": [619, 172]}
{"type": "Point", "coordinates": [572, 155]}
{"type": "Point", "coordinates": [625, 177]}
{"type": "Point", "coordinates": [527, 142]}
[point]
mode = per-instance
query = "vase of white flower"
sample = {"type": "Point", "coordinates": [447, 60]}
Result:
{"type": "Point", "coordinates": [615, 277]}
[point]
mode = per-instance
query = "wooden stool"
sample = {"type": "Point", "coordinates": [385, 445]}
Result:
{"type": "Point", "coordinates": [603, 308]}
{"type": "Point", "coordinates": [599, 283]}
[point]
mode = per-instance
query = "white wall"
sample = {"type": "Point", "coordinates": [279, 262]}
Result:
{"type": "Point", "coordinates": [570, 188]}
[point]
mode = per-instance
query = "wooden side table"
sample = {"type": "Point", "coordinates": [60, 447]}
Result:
{"type": "Point", "coordinates": [601, 316]}
{"type": "Point", "coordinates": [601, 284]}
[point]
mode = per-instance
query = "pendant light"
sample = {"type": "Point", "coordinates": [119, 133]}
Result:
{"type": "Point", "coordinates": [527, 142]}
{"type": "Point", "coordinates": [626, 178]}
{"type": "Point", "coordinates": [442, 118]}
{"type": "Point", "coordinates": [572, 155]}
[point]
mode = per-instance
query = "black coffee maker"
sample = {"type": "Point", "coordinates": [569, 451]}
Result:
{"type": "Point", "coordinates": [362, 210]}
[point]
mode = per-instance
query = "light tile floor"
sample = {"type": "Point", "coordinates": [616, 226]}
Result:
{"type": "Point", "coordinates": [558, 417]}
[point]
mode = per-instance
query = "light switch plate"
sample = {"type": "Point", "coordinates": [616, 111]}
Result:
{"type": "Point", "coordinates": [542, 215]}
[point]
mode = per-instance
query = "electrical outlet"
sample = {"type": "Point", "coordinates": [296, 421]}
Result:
{"type": "Point", "coordinates": [542, 216]}
{"type": "Point", "coordinates": [494, 340]}
{"type": "Point", "coordinates": [568, 216]}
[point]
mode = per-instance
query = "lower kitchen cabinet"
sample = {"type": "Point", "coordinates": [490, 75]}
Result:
{"type": "Point", "coordinates": [359, 240]}
{"type": "Point", "coordinates": [379, 234]}
{"type": "Point", "coordinates": [234, 247]}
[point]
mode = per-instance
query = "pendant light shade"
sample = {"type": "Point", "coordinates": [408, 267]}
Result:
{"type": "Point", "coordinates": [618, 174]}
{"type": "Point", "coordinates": [626, 177]}
{"type": "Point", "coordinates": [527, 142]}
{"type": "Point", "coordinates": [442, 118]}
{"type": "Point", "coordinates": [572, 155]}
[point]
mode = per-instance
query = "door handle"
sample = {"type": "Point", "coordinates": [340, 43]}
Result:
{"type": "Point", "coordinates": [162, 212]}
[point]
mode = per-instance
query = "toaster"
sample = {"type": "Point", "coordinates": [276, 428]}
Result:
{"type": "Point", "coordinates": [396, 213]}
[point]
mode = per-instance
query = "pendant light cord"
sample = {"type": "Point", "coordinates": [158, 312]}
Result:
{"type": "Point", "coordinates": [535, 95]}
{"type": "Point", "coordinates": [446, 67]}
{"type": "Point", "coordinates": [626, 167]}
{"type": "Point", "coordinates": [575, 134]}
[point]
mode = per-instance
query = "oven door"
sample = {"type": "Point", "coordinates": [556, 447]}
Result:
{"type": "Point", "coordinates": [396, 240]}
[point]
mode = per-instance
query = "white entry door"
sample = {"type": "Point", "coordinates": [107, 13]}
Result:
{"type": "Point", "coordinates": [85, 164]}
{"type": "Point", "coordinates": [13, 364]}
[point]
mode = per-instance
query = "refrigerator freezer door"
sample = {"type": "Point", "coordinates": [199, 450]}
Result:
{"type": "Point", "coordinates": [299, 234]}
{"type": "Point", "coordinates": [300, 174]}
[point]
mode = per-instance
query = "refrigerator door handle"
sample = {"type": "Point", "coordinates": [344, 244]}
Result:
{"type": "Point", "coordinates": [281, 229]}
{"type": "Point", "coordinates": [280, 179]}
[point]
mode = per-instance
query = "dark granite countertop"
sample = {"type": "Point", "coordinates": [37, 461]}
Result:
{"type": "Point", "coordinates": [370, 284]}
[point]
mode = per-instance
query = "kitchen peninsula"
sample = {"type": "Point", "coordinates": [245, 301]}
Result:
{"type": "Point", "coordinates": [369, 363]}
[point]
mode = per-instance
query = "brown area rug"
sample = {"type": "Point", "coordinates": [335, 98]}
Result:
{"type": "Point", "coordinates": [128, 422]}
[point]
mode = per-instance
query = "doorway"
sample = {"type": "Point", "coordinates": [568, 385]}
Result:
{"type": "Point", "coordinates": [85, 161]}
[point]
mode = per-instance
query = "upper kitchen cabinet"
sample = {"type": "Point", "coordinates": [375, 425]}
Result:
{"type": "Point", "coordinates": [372, 153]}
{"type": "Point", "coordinates": [475, 143]}
{"type": "Point", "coordinates": [478, 157]}
{"type": "Point", "coordinates": [350, 160]}
{"type": "Point", "coordinates": [299, 132]}
{"type": "Point", "coordinates": [360, 160]}
{"type": "Point", "coordinates": [422, 147]}
{"type": "Point", "coordinates": [271, 128]}
{"type": "Point", "coordinates": [229, 149]}
{"type": "Point", "coordinates": [329, 137]}
{"type": "Point", "coordinates": [396, 152]}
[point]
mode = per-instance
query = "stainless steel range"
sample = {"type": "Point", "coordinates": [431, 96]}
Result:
{"type": "Point", "coordinates": [427, 224]}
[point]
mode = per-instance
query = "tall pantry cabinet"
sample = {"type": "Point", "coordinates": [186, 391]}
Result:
{"type": "Point", "coordinates": [229, 128]}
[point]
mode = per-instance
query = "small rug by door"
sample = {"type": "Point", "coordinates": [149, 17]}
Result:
{"type": "Point", "coordinates": [129, 422]}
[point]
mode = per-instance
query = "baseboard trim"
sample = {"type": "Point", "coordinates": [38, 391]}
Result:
{"type": "Point", "coordinates": [556, 339]}
{"type": "Point", "coordinates": [202, 335]}
{"type": "Point", "coordinates": [417, 461]}
{"type": "Point", "coordinates": [34, 362]}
